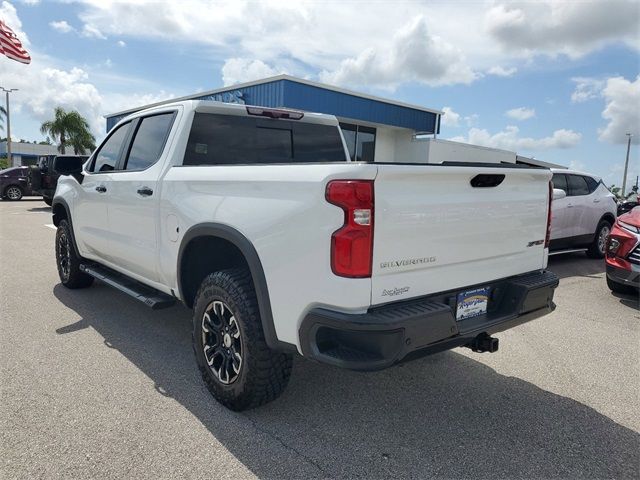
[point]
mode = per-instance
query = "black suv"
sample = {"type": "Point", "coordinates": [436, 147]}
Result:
{"type": "Point", "coordinates": [43, 179]}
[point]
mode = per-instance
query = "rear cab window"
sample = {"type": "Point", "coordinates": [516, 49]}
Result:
{"type": "Point", "coordinates": [217, 139]}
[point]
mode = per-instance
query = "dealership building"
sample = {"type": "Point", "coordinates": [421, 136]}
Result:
{"type": "Point", "coordinates": [375, 129]}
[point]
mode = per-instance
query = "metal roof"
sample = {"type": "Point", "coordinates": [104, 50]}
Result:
{"type": "Point", "coordinates": [291, 92]}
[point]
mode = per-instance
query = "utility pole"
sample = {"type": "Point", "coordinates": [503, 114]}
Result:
{"type": "Point", "coordinates": [9, 157]}
{"type": "Point", "coordinates": [626, 165]}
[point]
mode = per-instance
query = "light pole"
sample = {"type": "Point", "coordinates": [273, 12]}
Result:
{"type": "Point", "coordinates": [626, 165]}
{"type": "Point", "coordinates": [9, 157]}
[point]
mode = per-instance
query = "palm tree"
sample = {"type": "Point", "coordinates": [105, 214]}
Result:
{"type": "Point", "coordinates": [69, 129]}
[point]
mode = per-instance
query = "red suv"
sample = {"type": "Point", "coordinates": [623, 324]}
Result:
{"type": "Point", "coordinates": [623, 253]}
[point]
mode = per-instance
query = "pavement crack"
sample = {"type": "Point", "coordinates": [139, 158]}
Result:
{"type": "Point", "coordinates": [287, 446]}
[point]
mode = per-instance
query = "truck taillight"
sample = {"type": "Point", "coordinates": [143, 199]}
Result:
{"type": "Point", "coordinates": [352, 244]}
{"type": "Point", "coordinates": [547, 238]}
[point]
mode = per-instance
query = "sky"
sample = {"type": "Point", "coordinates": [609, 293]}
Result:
{"type": "Point", "coordinates": [555, 80]}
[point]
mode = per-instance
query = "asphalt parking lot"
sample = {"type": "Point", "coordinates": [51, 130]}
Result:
{"type": "Point", "coordinates": [94, 384]}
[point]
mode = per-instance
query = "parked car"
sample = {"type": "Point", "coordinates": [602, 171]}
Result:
{"type": "Point", "coordinates": [13, 183]}
{"type": "Point", "coordinates": [258, 220]}
{"type": "Point", "coordinates": [583, 212]}
{"type": "Point", "coordinates": [629, 203]}
{"type": "Point", "coordinates": [623, 254]}
{"type": "Point", "coordinates": [43, 178]}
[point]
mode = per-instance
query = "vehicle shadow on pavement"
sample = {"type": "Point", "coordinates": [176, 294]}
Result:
{"type": "Point", "coordinates": [576, 265]}
{"type": "Point", "coordinates": [442, 416]}
{"type": "Point", "coordinates": [629, 300]}
{"type": "Point", "coordinates": [40, 209]}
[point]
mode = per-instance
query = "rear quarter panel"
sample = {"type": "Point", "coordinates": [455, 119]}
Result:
{"type": "Point", "coordinates": [282, 211]}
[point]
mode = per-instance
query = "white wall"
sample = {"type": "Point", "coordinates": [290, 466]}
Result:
{"type": "Point", "coordinates": [385, 145]}
{"type": "Point", "coordinates": [447, 151]}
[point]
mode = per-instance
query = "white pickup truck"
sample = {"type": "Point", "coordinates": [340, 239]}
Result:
{"type": "Point", "coordinates": [257, 219]}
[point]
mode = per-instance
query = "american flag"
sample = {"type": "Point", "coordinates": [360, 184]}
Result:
{"type": "Point", "coordinates": [10, 46]}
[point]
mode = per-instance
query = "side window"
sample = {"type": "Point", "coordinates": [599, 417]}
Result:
{"type": "Point", "coordinates": [149, 141]}
{"type": "Point", "coordinates": [560, 181]}
{"type": "Point", "coordinates": [577, 186]}
{"type": "Point", "coordinates": [592, 184]}
{"type": "Point", "coordinates": [106, 158]}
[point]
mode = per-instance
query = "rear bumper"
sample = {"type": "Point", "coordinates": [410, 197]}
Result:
{"type": "Point", "coordinates": [406, 330]}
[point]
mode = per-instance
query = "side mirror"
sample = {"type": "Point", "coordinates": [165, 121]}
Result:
{"type": "Point", "coordinates": [558, 193]}
{"type": "Point", "coordinates": [68, 165]}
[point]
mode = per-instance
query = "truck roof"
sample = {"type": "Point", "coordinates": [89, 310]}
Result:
{"type": "Point", "coordinates": [212, 106]}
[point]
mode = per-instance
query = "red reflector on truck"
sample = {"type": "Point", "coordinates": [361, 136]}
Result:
{"type": "Point", "coordinates": [352, 244]}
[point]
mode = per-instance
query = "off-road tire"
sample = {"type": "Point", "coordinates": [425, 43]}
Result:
{"type": "Point", "coordinates": [263, 373]}
{"type": "Point", "coordinates": [598, 249]}
{"type": "Point", "coordinates": [70, 276]}
{"type": "Point", "coordinates": [619, 288]}
{"type": "Point", "coordinates": [13, 193]}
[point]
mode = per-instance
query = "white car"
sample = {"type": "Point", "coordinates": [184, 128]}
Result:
{"type": "Point", "coordinates": [257, 219]}
{"type": "Point", "coordinates": [583, 212]}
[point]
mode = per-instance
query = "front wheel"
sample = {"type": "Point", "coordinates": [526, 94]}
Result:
{"type": "Point", "coordinates": [13, 193]}
{"type": "Point", "coordinates": [599, 244]}
{"type": "Point", "coordinates": [236, 364]}
{"type": "Point", "coordinates": [67, 261]}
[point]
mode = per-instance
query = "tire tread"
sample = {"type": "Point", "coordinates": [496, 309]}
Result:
{"type": "Point", "coordinates": [268, 370]}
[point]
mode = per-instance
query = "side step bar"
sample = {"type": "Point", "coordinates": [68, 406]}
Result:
{"type": "Point", "coordinates": [147, 295]}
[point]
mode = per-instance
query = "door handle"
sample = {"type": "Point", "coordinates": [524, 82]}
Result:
{"type": "Point", "coordinates": [596, 200]}
{"type": "Point", "coordinates": [145, 191]}
{"type": "Point", "coordinates": [101, 188]}
{"type": "Point", "coordinates": [569, 206]}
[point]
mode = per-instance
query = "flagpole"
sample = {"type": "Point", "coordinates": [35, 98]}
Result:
{"type": "Point", "coordinates": [9, 156]}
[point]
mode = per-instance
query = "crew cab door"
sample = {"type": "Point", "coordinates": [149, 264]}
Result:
{"type": "Point", "coordinates": [90, 218]}
{"type": "Point", "coordinates": [133, 202]}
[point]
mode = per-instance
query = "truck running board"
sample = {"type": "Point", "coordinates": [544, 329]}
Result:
{"type": "Point", "coordinates": [147, 295]}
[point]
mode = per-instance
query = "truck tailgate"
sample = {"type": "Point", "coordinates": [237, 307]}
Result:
{"type": "Point", "coordinates": [434, 231]}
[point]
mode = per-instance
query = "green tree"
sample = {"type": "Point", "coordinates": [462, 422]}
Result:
{"type": "Point", "coordinates": [69, 129]}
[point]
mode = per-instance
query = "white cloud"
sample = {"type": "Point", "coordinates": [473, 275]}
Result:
{"type": "Point", "coordinates": [586, 89]}
{"type": "Point", "coordinates": [499, 71]}
{"type": "Point", "coordinates": [91, 31]}
{"type": "Point", "coordinates": [238, 70]}
{"type": "Point", "coordinates": [30, 2]}
{"type": "Point", "coordinates": [412, 55]}
{"type": "Point", "coordinates": [509, 139]}
{"type": "Point", "coordinates": [450, 118]}
{"type": "Point", "coordinates": [568, 27]}
{"type": "Point", "coordinates": [622, 98]}
{"type": "Point", "coordinates": [62, 26]}
{"type": "Point", "coordinates": [521, 113]}
{"type": "Point", "coordinates": [454, 119]}
{"type": "Point", "coordinates": [390, 44]}
{"type": "Point", "coordinates": [577, 165]}
{"type": "Point", "coordinates": [121, 43]}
